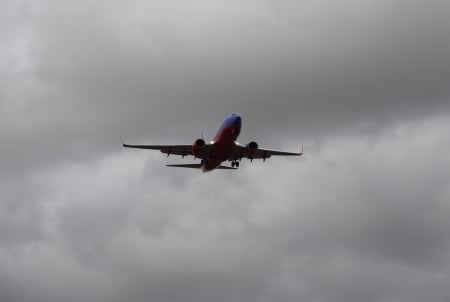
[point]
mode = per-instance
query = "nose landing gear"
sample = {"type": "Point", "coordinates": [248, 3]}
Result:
{"type": "Point", "coordinates": [235, 163]}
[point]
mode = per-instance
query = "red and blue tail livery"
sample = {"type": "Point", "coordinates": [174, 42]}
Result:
{"type": "Point", "coordinates": [224, 147]}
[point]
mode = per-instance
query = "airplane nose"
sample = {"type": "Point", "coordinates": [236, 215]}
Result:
{"type": "Point", "coordinates": [235, 119]}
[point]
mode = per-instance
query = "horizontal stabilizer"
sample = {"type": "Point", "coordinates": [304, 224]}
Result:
{"type": "Point", "coordinates": [198, 166]}
{"type": "Point", "coordinates": [192, 166]}
{"type": "Point", "coordinates": [226, 168]}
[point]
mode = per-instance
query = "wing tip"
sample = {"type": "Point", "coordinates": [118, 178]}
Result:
{"type": "Point", "coordinates": [123, 144]}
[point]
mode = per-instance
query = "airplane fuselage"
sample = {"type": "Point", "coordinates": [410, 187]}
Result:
{"type": "Point", "coordinates": [223, 144]}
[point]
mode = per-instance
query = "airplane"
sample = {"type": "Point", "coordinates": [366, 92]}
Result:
{"type": "Point", "coordinates": [223, 147]}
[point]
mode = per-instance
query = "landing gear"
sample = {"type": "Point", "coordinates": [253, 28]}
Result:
{"type": "Point", "coordinates": [235, 163]}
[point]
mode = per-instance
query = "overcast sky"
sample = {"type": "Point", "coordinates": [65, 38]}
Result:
{"type": "Point", "coordinates": [362, 216]}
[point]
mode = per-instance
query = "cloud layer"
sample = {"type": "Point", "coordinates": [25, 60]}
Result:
{"type": "Point", "coordinates": [361, 217]}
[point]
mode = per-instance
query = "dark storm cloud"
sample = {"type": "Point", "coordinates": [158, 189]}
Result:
{"type": "Point", "coordinates": [361, 217]}
{"type": "Point", "coordinates": [308, 62]}
{"type": "Point", "coordinates": [85, 73]}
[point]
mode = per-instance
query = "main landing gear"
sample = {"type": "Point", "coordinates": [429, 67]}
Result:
{"type": "Point", "coordinates": [235, 163]}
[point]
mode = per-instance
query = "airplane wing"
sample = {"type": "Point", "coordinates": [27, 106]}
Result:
{"type": "Point", "coordinates": [245, 152]}
{"type": "Point", "coordinates": [182, 150]}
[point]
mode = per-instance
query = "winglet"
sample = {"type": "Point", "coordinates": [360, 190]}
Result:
{"type": "Point", "coordinates": [123, 144]}
{"type": "Point", "coordinates": [301, 153]}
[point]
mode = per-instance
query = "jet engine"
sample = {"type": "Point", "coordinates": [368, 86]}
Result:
{"type": "Point", "coordinates": [197, 146]}
{"type": "Point", "coordinates": [252, 146]}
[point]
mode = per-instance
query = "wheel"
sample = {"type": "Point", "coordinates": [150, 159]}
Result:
{"type": "Point", "coordinates": [237, 164]}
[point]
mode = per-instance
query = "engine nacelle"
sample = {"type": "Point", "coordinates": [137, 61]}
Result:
{"type": "Point", "coordinates": [197, 146]}
{"type": "Point", "coordinates": [251, 148]}
{"type": "Point", "coordinates": [252, 145]}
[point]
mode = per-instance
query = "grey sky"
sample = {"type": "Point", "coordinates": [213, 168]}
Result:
{"type": "Point", "coordinates": [363, 216]}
